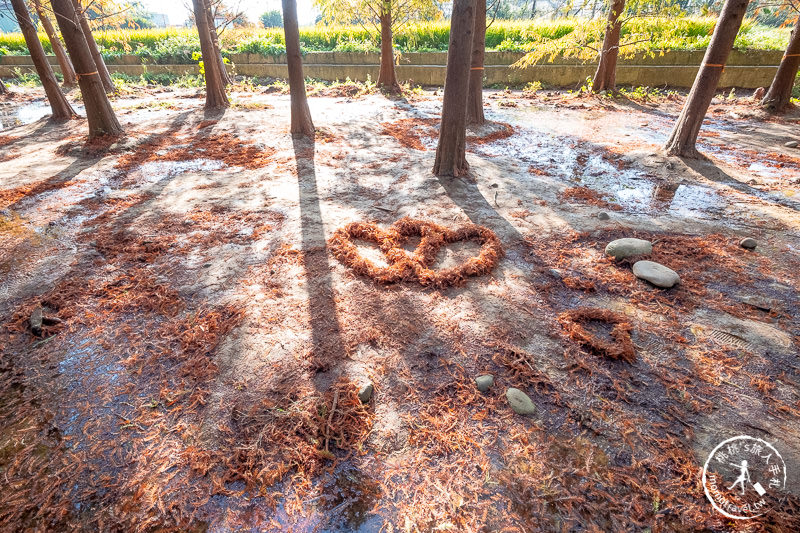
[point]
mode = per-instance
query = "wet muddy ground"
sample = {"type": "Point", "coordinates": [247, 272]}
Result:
{"type": "Point", "coordinates": [201, 349]}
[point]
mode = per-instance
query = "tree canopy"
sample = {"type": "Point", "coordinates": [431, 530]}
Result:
{"type": "Point", "coordinates": [271, 19]}
{"type": "Point", "coordinates": [366, 12]}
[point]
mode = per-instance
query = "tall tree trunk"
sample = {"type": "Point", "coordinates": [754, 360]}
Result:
{"type": "Point", "coordinates": [683, 139]}
{"type": "Point", "coordinates": [101, 117]}
{"type": "Point", "coordinates": [605, 78]}
{"type": "Point", "coordinates": [451, 157]}
{"type": "Point", "coordinates": [212, 27]}
{"type": "Point", "coordinates": [475, 97]}
{"type": "Point", "coordinates": [58, 102]}
{"type": "Point", "coordinates": [777, 98]}
{"type": "Point", "coordinates": [301, 115]}
{"type": "Point", "coordinates": [102, 70]}
{"type": "Point", "coordinates": [215, 87]}
{"type": "Point", "coordinates": [387, 78]}
{"type": "Point", "coordinates": [533, 9]}
{"type": "Point", "coordinates": [67, 71]}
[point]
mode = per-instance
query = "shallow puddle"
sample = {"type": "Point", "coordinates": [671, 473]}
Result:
{"type": "Point", "coordinates": [19, 115]}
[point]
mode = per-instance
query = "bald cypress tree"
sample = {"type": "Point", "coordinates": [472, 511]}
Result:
{"type": "Point", "coordinates": [101, 117]}
{"type": "Point", "coordinates": [780, 90]}
{"type": "Point", "coordinates": [475, 99]}
{"type": "Point", "coordinates": [301, 123]}
{"type": "Point", "coordinates": [100, 64]}
{"type": "Point", "coordinates": [682, 142]}
{"type": "Point", "coordinates": [215, 86]}
{"type": "Point", "coordinates": [212, 28]}
{"type": "Point", "coordinates": [67, 71]}
{"type": "Point", "coordinates": [59, 105]}
{"type": "Point", "coordinates": [451, 157]}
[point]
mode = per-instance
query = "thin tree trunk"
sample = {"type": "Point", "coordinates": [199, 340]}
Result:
{"type": "Point", "coordinates": [605, 78]}
{"type": "Point", "coordinates": [683, 139]}
{"type": "Point", "coordinates": [387, 77]}
{"type": "Point", "coordinates": [780, 91]}
{"type": "Point", "coordinates": [3, 88]}
{"type": "Point", "coordinates": [58, 102]}
{"type": "Point", "coordinates": [533, 9]}
{"type": "Point", "coordinates": [67, 71]}
{"type": "Point", "coordinates": [215, 87]}
{"type": "Point", "coordinates": [102, 70]}
{"type": "Point", "coordinates": [301, 115]}
{"type": "Point", "coordinates": [101, 117]}
{"type": "Point", "coordinates": [212, 27]}
{"type": "Point", "coordinates": [475, 98]}
{"type": "Point", "coordinates": [451, 157]}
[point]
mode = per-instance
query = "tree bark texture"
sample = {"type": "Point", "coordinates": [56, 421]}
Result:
{"type": "Point", "coordinates": [100, 115]}
{"type": "Point", "coordinates": [780, 91]}
{"type": "Point", "coordinates": [682, 142]}
{"type": "Point", "coordinates": [475, 98]}
{"type": "Point", "coordinates": [215, 87]}
{"type": "Point", "coordinates": [67, 71]}
{"type": "Point", "coordinates": [605, 77]}
{"type": "Point", "coordinates": [59, 105]}
{"type": "Point", "coordinates": [301, 123]}
{"type": "Point", "coordinates": [451, 150]}
{"type": "Point", "coordinates": [387, 77]}
{"type": "Point", "coordinates": [105, 76]}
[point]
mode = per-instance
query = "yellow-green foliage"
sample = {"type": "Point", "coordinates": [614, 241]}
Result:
{"type": "Point", "coordinates": [571, 37]}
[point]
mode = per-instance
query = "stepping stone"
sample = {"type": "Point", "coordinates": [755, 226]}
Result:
{"type": "Point", "coordinates": [520, 402]}
{"type": "Point", "coordinates": [655, 273]}
{"type": "Point", "coordinates": [484, 382]}
{"type": "Point", "coordinates": [749, 243]}
{"type": "Point", "coordinates": [627, 247]}
{"type": "Point", "coordinates": [791, 144]}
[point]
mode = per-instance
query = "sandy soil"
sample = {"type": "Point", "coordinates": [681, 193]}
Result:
{"type": "Point", "coordinates": [202, 348]}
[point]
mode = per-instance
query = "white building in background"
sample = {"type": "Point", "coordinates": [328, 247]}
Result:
{"type": "Point", "coordinates": [159, 20]}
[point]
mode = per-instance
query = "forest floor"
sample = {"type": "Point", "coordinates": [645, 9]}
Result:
{"type": "Point", "coordinates": [202, 349]}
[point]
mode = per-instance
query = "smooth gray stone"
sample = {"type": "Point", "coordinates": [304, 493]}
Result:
{"type": "Point", "coordinates": [484, 382]}
{"type": "Point", "coordinates": [657, 274]}
{"type": "Point", "coordinates": [366, 392]}
{"type": "Point", "coordinates": [520, 402]}
{"type": "Point", "coordinates": [627, 247]}
{"type": "Point", "coordinates": [749, 243]}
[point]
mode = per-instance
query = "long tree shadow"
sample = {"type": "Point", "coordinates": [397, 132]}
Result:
{"type": "Point", "coordinates": [326, 334]}
{"type": "Point", "coordinates": [464, 192]}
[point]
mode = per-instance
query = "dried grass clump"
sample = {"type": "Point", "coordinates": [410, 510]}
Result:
{"type": "Point", "coordinates": [409, 131]}
{"type": "Point", "coordinates": [416, 265]}
{"type": "Point", "coordinates": [272, 439]}
{"type": "Point", "coordinates": [621, 348]}
{"type": "Point", "coordinates": [588, 196]}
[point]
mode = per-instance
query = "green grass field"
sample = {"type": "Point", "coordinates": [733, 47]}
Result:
{"type": "Point", "coordinates": [653, 33]}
